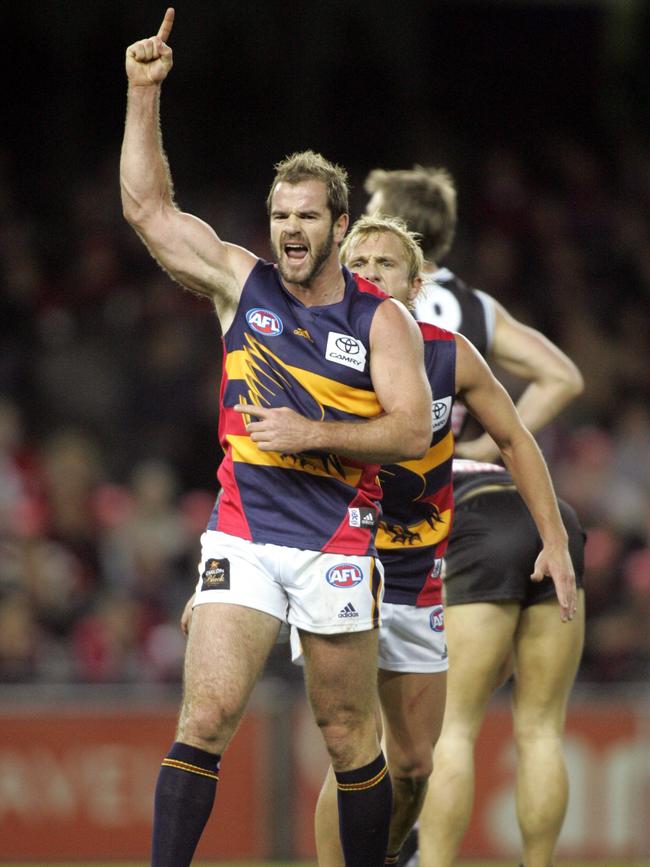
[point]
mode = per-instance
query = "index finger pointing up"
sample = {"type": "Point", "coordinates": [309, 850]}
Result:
{"type": "Point", "coordinates": [166, 26]}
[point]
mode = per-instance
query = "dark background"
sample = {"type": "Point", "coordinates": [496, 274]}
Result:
{"type": "Point", "coordinates": [109, 373]}
{"type": "Point", "coordinates": [366, 83]}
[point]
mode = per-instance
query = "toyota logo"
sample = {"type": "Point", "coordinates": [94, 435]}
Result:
{"type": "Point", "coordinates": [439, 409]}
{"type": "Point", "coordinates": [347, 345]}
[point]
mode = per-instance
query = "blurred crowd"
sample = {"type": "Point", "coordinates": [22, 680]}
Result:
{"type": "Point", "coordinates": [109, 378]}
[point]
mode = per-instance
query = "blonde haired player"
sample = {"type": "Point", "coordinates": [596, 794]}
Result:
{"type": "Point", "coordinates": [413, 536]}
{"type": "Point", "coordinates": [492, 616]}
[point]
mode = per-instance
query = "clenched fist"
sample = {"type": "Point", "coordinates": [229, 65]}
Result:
{"type": "Point", "coordinates": [148, 61]}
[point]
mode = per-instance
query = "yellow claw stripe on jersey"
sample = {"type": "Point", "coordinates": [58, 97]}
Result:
{"type": "Point", "coordinates": [366, 784]}
{"type": "Point", "coordinates": [435, 456]}
{"type": "Point", "coordinates": [422, 534]}
{"type": "Point", "coordinates": [244, 450]}
{"type": "Point", "coordinates": [427, 534]}
{"type": "Point", "coordinates": [192, 769]}
{"type": "Point", "coordinates": [246, 365]}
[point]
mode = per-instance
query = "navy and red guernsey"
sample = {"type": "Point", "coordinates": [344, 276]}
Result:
{"type": "Point", "coordinates": [446, 301]}
{"type": "Point", "coordinates": [418, 501]}
{"type": "Point", "coordinates": [316, 361]}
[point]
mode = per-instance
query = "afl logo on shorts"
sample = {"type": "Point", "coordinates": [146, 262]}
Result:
{"type": "Point", "coordinates": [437, 619]}
{"type": "Point", "coordinates": [344, 575]}
{"type": "Point", "coordinates": [264, 322]}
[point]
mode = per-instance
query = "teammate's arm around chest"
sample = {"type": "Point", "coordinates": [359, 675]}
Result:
{"type": "Point", "coordinates": [402, 432]}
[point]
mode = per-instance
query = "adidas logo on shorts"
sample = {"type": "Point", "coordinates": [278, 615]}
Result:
{"type": "Point", "coordinates": [348, 611]}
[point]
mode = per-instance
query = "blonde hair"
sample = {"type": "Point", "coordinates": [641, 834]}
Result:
{"type": "Point", "coordinates": [368, 225]}
{"type": "Point", "coordinates": [425, 198]}
{"type": "Point", "coordinates": [308, 165]}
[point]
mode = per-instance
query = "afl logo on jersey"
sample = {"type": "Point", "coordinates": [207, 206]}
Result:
{"type": "Point", "coordinates": [437, 619]}
{"type": "Point", "coordinates": [264, 322]}
{"type": "Point", "coordinates": [344, 575]}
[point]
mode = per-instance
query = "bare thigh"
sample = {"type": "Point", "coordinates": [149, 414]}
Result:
{"type": "Point", "coordinates": [226, 649]}
{"type": "Point", "coordinates": [341, 682]}
{"type": "Point", "coordinates": [413, 705]}
{"type": "Point", "coordinates": [547, 655]}
{"type": "Point", "coordinates": [479, 640]}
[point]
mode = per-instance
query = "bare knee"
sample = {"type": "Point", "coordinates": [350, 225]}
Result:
{"type": "Point", "coordinates": [411, 787]}
{"type": "Point", "coordinates": [415, 766]}
{"type": "Point", "coordinates": [537, 723]}
{"type": "Point", "coordinates": [207, 725]}
{"type": "Point", "coordinates": [350, 738]}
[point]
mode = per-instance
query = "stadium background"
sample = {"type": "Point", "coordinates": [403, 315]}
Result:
{"type": "Point", "coordinates": [109, 375]}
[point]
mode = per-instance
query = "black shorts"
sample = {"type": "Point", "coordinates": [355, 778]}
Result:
{"type": "Point", "coordinates": [493, 547]}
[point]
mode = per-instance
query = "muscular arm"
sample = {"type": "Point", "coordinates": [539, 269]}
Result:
{"type": "Point", "coordinates": [185, 246]}
{"type": "Point", "coordinates": [402, 432]}
{"type": "Point", "coordinates": [554, 380]}
{"type": "Point", "coordinates": [491, 405]}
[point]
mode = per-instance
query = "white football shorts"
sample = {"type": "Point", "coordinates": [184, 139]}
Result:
{"type": "Point", "coordinates": [317, 592]}
{"type": "Point", "coordinates": [411, 640]}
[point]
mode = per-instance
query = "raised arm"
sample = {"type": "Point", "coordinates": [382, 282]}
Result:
{"type": "Point", "coordinates": [490, 404]}
{"type": "Point", "coordinates": [554, 380]}
{"type": "Point", "coordinates": [402, 432]}
{"type": "Point", "coordinates": [184, 246]}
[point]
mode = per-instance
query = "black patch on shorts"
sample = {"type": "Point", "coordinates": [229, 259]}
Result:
{"type": "Point", "coordinates": [216, 575]}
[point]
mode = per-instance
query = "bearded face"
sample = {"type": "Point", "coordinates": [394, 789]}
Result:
{"type": "Point", "coordinates": [302, 231]}
{"type": "Point", "coordinates": [299, 261]}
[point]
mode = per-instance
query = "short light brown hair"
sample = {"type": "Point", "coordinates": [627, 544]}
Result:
{"type": "Point", "coordinates": [308, 165]}
{"type": "Point", "coordinates": [425, 198]}
{"type": "Point", "coordinates": [368, 225]}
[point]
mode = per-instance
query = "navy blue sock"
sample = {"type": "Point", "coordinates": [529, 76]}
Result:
{"type": "Point", "coordinates": [187, 784]}
{"type": "Point", "coordinates": [365, 798]}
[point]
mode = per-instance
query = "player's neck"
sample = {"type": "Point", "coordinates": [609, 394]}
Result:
{"type": "Point", "coordinates": [326, 287]}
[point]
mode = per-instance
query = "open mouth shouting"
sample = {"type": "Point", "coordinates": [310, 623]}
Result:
{"type": "Point", "coordinates": [295, 252]}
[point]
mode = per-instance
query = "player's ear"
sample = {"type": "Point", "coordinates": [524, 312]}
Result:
{"type": "Point", "coordinates": [340, 227]}
{"type": "Point", "coordinates": [414, 289]}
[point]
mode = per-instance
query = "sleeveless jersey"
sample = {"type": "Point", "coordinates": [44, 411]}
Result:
{"type": "Point", "coordinates": [418, 499]}
{"type": "Point", "coordinates": [446, 301]}
{"type": "Point", "coordinates": [316, 361]}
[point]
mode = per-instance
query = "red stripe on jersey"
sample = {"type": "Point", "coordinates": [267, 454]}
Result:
{"type": "Point", "coordinates": [431, 593]}
{"type": "Point", "coordinates": [368, 484]}
{"type": "Point", "coordinates": [366, 286]}
{"type": "Point", "coordinates": [345, 539]}
{"type": "Point", "coordinates": [231, 518]}
{"type": "Point", "coordinates": [432, 332]}
{"type": "Point", "coordinates": [442, 498]}
{"type": "Point", "coordinates": [233, 422]}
